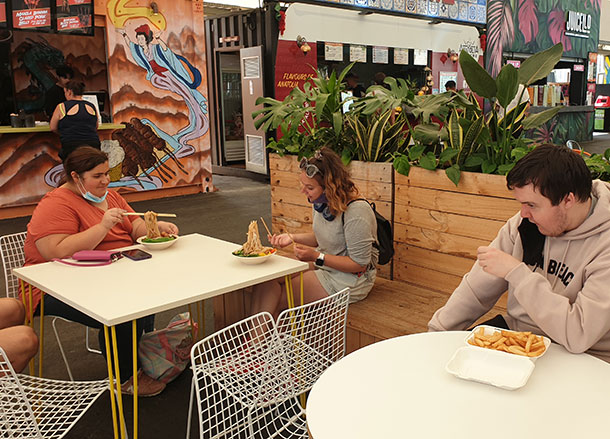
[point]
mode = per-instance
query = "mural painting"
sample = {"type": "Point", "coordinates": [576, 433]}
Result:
{"type": "Point", "coordinates": [529, 26]}
{"type": "Point", "coordinates": [158, 85]}
{"type": "Point", "coordinates": [564, 127]}
{"type": "Point", "coordinates": [27, 159]}
{"type": "Point", "coordinates": [36, 55]}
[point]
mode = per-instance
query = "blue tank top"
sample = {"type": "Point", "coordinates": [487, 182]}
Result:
{"type": "Point", "coordinates": [79, 127]}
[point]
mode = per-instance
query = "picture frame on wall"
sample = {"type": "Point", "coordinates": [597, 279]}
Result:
{"type": "Point", "coordinates": [31, 16]}
{"type": "Point", "coordinates": [3, 15]}
{"type": "Point", "coordinates": [74, 17]}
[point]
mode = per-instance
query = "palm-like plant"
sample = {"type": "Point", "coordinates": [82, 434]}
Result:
{"type": "Point", "coordinates": [307, 119]}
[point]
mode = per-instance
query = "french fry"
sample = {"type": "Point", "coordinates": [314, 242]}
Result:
{"type": "Point", "coordinates": [514, 342]}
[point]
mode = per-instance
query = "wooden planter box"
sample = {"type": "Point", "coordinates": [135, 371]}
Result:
{"type": "Point", "coordinates": [438, 226]}
{"type": "Point", "coordinates": [291, 212]}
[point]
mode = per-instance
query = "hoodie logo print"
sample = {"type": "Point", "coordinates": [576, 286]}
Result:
{"type": "Point", "coordinates": [560, 270]}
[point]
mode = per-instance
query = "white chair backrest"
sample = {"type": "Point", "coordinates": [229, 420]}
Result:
{"type": "Point", "coordinates": [16, 417]}
{"type": "Point", "coordinates": [239, 371]}
{"type": "Point", "coordinates": [313, 336]}
{"type": "Point", "coordinates": [13, 256]}
{"type": "Point", "coordinates": [320, 324]}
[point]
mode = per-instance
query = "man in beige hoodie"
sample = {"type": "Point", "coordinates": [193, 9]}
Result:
{"type": "Point", "coordinates": [553, 258]}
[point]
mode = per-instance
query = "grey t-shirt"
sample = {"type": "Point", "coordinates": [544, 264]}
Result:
{"type": "Point", "coordinates": [353, 237]}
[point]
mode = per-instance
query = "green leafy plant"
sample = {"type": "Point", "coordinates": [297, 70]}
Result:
{"type": "Point", "coordinates": [307, 119]}
{"type": "Point", "coordinates": [376, 137]}
{"type": "Point", "coordinates": [476, 141]}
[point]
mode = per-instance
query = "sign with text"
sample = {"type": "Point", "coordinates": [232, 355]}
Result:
{"type": "Point", "coordinates": [75, 16]}
{"type": "Point", "coordinates": [31, 14]}
{"type": "Point", "coordinates": [464, 11]}
{"type": "Point", "coordinates": [2, 14]}
{"type": "Point", "coordinates": [293, 68]}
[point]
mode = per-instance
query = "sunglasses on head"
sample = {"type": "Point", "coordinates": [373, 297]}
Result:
{"type": "Point", "coordinates": [309, 168]}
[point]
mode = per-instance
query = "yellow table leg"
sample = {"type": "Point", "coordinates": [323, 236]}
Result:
{"type": "Point", "coordinates": [134, 341]}
{"type": "Point", "coordinates": [111, 383]}
{"type": "Point", "coordinates": [289, 292]}
{"type": "Point", "coordinates": [192, 317]}
{"type": "Point", "coordinates": [41, 338]}
{"type": "Point", "coordinates": [201, 322]}
{"type": "Point", "coordinates": [118, 381]}
{"type": "Point", "coordinates": [30, 314]}
{"type": "Point", "coordinates": [198, 320]}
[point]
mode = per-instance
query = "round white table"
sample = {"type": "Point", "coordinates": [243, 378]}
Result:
{"type": "Point", "coordinates": [399, 388]}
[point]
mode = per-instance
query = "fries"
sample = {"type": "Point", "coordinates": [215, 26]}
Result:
{"type": "Point", "coordinates": [513, 342]}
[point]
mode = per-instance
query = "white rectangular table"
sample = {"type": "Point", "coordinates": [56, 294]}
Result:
{"type": "Point", "coordinates": [195, 268]}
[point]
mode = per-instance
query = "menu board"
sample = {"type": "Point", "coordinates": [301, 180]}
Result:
{"type": "Point", "coordinates": [32, 14]}
{"type": "Point", "coordinates": [2, 14]}
{"type": "Point", "coordinates": [75, 16]}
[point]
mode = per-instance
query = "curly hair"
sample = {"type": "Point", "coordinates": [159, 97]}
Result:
{"type": "Point", "coordinates": [334, 179]}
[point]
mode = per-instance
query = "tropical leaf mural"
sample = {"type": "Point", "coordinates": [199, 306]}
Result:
{"type": "Point", "coordinates": [500, 33]}
{"type": "Point", "coordinates": [539, 24]}
{"type": "Point", "coordinates": [528, 19]}
{"type": "Point", "coordinates": [557, 29]}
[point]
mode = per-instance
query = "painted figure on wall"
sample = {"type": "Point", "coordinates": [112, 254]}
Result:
{"type": "Point", "coordinates": [169, 71]}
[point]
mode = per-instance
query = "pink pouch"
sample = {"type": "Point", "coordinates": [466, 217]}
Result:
{"type": "Point", "coordinates": [92, 258]}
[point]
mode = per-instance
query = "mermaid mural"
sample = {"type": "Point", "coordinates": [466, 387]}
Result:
{"type": "Point", "coordinates": [174, 73]}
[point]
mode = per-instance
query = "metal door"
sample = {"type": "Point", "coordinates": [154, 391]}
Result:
{"type": "Point", "coordinates": [251, 61]}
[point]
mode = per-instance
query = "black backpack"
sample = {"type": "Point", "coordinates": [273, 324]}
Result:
{"type": "Point", "coordinates": [385, 238]}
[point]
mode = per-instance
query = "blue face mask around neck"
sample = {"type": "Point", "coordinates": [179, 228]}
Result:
{"type": "Point", "coordinates": [89, 196]}
{"type": "Point", "coordinates": [320, 204]}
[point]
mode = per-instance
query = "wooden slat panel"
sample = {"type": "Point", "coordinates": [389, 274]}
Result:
{"type": "Point", "coordinates": [442, 242]}
{"type": "Point", "coordinates": [234, 307]}
{"type": "Point", "coordinates": [285, 179]}
{"type": "Point", "coordinates": [373, 172]}
{"type": "Point", "coordinates": [284, 225]}
{"type": "Point", "coordinates": [218, 304]}
{"type": "Point", "coordinates": [384, 271]}
{"type": "Point", "coordinates": [366, 340]}
{"type": "Point", "coordinates": [287, 195]}
{"type": "Point", "coordinates": [302, 214]}
{"type": "Point", "coordinates": [470, 182]}
{"type": "Point", "coordinates": [373, 191]}
{"type": "Point", "coordinates": [453, 224]}
{"type": "Point", "coordinates": [426, 278]}
{"type": "Point", "coordinates": [394, 309]}
{"type": "Point", "coordinates": [453, 202]}
{"type": "Point", "coordinates": [288, 163]}
{"type": "Point", "coordinates": [352, 340]}
{"type": "Point", "coordinates": [420, 257]}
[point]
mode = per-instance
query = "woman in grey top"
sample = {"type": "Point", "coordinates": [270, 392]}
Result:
{"type": "Point", "coordinates": [341, 246]}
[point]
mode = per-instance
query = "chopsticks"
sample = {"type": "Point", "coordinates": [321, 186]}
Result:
{"type": "Point", "coordinates": [171, 215]}
{"type": "Point", "coordinates": [269, 231]}
{"type": "Point", "coordinates": [266, 228]}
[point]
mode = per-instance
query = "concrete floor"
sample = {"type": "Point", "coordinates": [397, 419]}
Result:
{"type": "Point", "coordinates": [224, 214]}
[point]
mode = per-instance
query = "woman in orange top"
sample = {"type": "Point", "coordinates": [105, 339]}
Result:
{"type": "Point", "coordinates": [79, 215]}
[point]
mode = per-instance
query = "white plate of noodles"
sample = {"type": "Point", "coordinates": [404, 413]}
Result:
{"type": "Point", "coordinates": [253, 252]}
{"type": "Point", "coordinates": [252, 259]}
{"type": "Point", "coordinates": [157, 243]}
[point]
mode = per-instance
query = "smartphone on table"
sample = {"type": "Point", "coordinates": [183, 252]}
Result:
{"type": "Point", "coordinates": [136, 254]}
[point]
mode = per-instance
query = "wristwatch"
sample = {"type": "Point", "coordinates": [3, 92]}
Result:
{"type": "Point", "coordinates": [319, 260]}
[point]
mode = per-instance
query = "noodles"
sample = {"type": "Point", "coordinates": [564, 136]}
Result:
{"type": "Point", "coordinates": [253, 245]}
{"type": "Point", "coordinates": [152, 230]}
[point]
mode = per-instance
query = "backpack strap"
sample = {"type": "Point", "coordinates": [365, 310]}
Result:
{"type": "Point", "coordinates": [372, 205]}
{"type": "Point", "coordinates": [356, 199]}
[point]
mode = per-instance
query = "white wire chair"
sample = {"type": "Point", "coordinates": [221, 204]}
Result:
{"type": "Point", "coordinates": [40, 408]}
{"type": "Point", "coordinates": [13, 256]}
{"type": "Point", "coordinates": [243, 384]}
{"type": "Point", "coordinates": [313, 336]}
